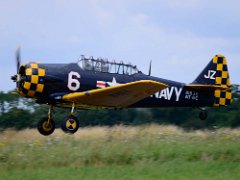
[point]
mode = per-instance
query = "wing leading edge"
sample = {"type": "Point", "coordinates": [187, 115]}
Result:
{"type": "Point", "coordinates": [118, 96]}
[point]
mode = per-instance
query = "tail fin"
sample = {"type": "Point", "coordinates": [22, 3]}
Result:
{"type": "Point", "coordinates": [216, 73]}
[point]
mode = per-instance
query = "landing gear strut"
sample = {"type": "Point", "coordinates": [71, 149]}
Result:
{"type": "Point", "coordinates": [70, 124]}
{"type": "Point", "coordinates": [203, 114]}
{"type": "Point", "coordinates": [46, 126]}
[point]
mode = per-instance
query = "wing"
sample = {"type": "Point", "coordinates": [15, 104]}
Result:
{"type": "Point", "coordinates": [116, 96]}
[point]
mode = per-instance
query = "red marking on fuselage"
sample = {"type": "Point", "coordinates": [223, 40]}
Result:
{"type": "Point", "coordinates": [101, 84]}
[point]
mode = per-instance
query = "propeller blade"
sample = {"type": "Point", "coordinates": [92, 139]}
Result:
{"type": "Point", "coordinates": [18, 58]}
{"type": "Point", "coordinates": [150, 68]}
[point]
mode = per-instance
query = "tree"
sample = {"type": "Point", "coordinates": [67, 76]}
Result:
{"type": "Point", "coordinates": [18, 112]}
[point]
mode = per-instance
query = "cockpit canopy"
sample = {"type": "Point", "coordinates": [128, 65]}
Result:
{"type": "Point", "coordinates": [103, 65]}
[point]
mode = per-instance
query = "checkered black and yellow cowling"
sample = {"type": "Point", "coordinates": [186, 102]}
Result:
{"type": "Point", "coordinates": [222, 97]}
{"type": "Point", "coordinates": [33, 80]}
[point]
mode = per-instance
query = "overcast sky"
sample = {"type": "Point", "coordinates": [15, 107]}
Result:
{"type": "Point", "coordinates": [179, 36]}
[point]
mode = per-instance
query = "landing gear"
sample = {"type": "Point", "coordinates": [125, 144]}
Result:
{"type": "Point", "coordinates": [71, 124]}
{"type": "Point", "coordinates": [46, 126]}
{"type": "Point", "coordinates": [203, 114]}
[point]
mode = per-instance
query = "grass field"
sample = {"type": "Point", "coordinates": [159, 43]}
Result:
{"type": "Point", "coordinates": [146, 152]}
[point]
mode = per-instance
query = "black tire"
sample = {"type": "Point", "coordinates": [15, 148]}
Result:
{"type": "Point", "coordinates": [203, 115]}
{"type": "Point", "coordinates": [46, 128]}
{"type": "Point", "coordinates": [70, 124]}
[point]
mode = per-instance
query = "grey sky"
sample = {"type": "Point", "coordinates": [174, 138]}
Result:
{"type": "Point", "coordinates": [180, 36]}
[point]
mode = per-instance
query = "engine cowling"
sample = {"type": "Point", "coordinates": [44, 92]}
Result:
{"type": "Point", "coordinates": [30, 80]}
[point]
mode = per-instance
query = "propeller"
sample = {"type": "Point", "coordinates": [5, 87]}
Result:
{"type": "Point", "coordinates": [18, 62]}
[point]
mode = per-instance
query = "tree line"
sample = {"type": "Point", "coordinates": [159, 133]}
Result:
{"type": "Point", "coordinates": [17, 112]}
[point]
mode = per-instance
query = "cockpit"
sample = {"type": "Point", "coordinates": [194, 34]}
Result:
{"type": "Point", "coordinates": [103, 65]}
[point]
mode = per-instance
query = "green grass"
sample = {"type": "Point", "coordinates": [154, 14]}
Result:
{"type": "Point", "coordinates": [167, 170]}
{"type": "Point", "coordinates": [152, 152]}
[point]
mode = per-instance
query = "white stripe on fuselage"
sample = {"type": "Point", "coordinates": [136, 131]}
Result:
{"type": "Point", "coordinates": [167, 93]}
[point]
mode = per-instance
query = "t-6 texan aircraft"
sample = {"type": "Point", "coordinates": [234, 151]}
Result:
{"type": "Point", "coordinates": [100, 84]}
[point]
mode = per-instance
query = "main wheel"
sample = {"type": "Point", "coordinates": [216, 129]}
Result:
{"type": "Point", "coordinates": [203, 115]}
{"type": "Point", "coordinates": [70, 125]}
{"type": "Point", "coordinates": [46, 127]}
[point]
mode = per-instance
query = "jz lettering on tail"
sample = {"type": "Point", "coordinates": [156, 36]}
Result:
{"type": "Point", "coordinates": [169, 93]}
{"type": "Point", "coordinates": [210, 75]}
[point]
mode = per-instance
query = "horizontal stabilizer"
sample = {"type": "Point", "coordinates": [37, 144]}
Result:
{"type": "Point", "coordinates": [204, 87]}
